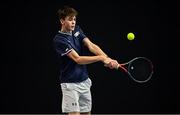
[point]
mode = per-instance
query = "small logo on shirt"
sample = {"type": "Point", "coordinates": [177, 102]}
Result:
{"type": "Point", "coordinates": [66, 49]}
{"type": "Point", "coordinates": [76, 34]}
{"type": "Point", "coordinates": [68, 41]}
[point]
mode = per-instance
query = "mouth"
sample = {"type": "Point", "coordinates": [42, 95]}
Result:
{"type": "Point", "coordinates": [72, 27]}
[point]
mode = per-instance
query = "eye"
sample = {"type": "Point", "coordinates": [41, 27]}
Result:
{"type": "Point", "coordinates": [70, 19]}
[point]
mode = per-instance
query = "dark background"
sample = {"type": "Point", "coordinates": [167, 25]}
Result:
{"type": "Point", "coordinates": [29, 81]}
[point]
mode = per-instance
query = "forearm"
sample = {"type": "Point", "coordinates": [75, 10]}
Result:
{"type": "Point", "coordinates": [88, 59]}
{"type": "Point", "coordinates": [85, 59]}
{"type": "Point", "coordinates": [93, 47]}
{"type": "Point", "coordinates": [97, 50]}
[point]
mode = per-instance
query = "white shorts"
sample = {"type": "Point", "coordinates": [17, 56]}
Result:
{"type": "Point", "coordinates": [76, 97]}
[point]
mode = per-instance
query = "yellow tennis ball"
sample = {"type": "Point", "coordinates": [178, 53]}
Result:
{"type": "Point", "coordinates": [130, 36]}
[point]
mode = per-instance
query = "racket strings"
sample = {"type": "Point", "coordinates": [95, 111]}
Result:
{"type": "Point", "coordinates": [140, 69]}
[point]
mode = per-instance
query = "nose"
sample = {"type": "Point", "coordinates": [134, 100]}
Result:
{"type": "Point", "coordinates": [73, 22]}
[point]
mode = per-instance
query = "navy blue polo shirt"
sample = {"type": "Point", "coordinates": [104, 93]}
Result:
{"type": "Point", "coordinates": [70, 71]}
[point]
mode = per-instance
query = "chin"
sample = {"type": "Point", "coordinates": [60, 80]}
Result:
{"type": "Point", "coordinates": [72, 29]}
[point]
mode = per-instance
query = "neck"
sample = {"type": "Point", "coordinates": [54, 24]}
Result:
{"type": "Point", "coordinates": [64, 30]}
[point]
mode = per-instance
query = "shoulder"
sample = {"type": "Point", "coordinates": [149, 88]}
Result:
{"type": "Point", "coordinates": [78, 28]}
{"type": "Point", "coordinates": [60, 37]}
{"type": "Point", "coordinates": [78, 31]}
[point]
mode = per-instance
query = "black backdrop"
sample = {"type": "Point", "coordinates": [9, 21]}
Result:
{"type": "Point", "coordinates": [29, 81]}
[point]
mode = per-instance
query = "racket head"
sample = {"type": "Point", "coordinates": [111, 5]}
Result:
{"type": "Point", "coordinates": [140, 69]}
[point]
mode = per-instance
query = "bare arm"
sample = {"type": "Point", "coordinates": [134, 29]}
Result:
{"type": "Point", "coordinates": [95, 49]}
{"type": "Point", "coordinates": [86, 59]}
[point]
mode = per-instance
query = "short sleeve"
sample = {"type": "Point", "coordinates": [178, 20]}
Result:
{"type": "Point", "coordinates": [62, 46]}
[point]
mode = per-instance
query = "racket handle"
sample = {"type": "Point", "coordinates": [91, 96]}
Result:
{"type": "Point", "coordinates": [121, 67]}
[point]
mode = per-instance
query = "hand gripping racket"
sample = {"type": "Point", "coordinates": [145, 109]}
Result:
{"type": "Point", "coordinates": [140, 69]}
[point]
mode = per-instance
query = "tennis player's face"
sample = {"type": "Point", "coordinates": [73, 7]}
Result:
{"type": "Point", "coordinates": [69, 23]}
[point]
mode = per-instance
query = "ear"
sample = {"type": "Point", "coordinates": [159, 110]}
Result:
{"type": "Point", "coordinates": [62, 21]}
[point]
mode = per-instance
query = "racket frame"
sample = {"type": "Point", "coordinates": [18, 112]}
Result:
{"type": "Point", "coordinates": [122, 66]}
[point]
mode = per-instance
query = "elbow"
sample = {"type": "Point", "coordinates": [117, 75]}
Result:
{"type": "Point", "coordinates": [78, 61]}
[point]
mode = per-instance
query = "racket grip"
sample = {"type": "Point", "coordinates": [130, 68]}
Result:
{"type": "Point", "coordinates": [117, 66]}
{"type": "Point", "coordinates": [123, 69]}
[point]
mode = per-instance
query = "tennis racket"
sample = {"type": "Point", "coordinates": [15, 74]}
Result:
{"type": "Point", "coordinates": [140, 69]}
